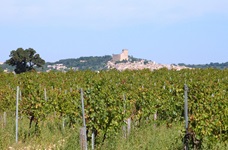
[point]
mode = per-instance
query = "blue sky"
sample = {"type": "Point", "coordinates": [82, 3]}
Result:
{"type": "Point", "coordinates": [165, 31]}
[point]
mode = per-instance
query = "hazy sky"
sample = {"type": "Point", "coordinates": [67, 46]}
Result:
{"type": "Point", "coordinates": [165, 31]}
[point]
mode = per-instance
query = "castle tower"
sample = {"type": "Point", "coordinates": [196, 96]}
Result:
{"type": "Point", "coordinates": [124, 55]}
{"type": "Point", "coordinates": [120, 57]}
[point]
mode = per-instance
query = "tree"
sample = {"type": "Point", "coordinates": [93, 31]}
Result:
{"type": "Point", "coordinates": [25, 60]}
{"type": "Point", "coordinates": [1, 69]}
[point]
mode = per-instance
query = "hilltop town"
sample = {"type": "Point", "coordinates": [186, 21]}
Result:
{"type": "Point", "coordinates": [121, 61]}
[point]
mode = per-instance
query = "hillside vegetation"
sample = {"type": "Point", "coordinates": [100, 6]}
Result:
{"type": "Point", "coordinates": [211, 65]}
{"type": "Point", "coordinates": [85, 63]}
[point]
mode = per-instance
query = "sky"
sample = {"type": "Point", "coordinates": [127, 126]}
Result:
{"type": "Point", "coordinates": [164, 31]}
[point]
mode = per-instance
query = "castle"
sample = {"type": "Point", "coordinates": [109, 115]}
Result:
{"type": "Point", "coordinates": [120, 57]}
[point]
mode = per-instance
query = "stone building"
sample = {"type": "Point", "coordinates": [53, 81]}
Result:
{"type": "Point", "coordinates": [120, 57]}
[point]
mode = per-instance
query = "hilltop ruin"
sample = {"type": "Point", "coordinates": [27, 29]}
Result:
{"type": "Point", "coordinates": [120, 57]}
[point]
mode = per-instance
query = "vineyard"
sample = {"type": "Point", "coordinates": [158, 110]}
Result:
{"type": "Point", "coordinates": [111, 97]}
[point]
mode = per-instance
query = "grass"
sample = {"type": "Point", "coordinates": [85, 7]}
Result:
{"type": "Point", "coordinates": [53, 136]}
{"type": "Point", "coordinates": [148, 137]}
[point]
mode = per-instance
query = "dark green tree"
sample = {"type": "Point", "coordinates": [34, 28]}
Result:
{"type": "Point", "coordinates": [24, 60]}
{"type": "Point", "coordinates": [1, 69]}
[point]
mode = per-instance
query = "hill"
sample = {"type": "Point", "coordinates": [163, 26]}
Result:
{"type": "Point", "coordinates": [211, 65]}
{"type": "Point", "coordinates": [82, 63]}
{"type": "Point", "coordinates": [96, 63]}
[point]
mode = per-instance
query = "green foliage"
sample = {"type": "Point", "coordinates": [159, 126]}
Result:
{"type": "Point", "coordinates": [72, 142]}
{"type": "Point", "coordinates": [112, 96]}
{"type": "Point", "coordinates": [85, 63]}
{"type": "Point", "coordinates": [208, 107]}
{"type": "Point", "coordinates": [1, 69]}
{"type": "Point", "coordinates": [51, 137]}
{"type": "Point", "coordinates": [133, 59]}
{"type": "Point", "coordinates": [123, 61]}
{"type": "Point", "coordinates": [211, 65]}
{"type": "Point", "coordinates": [7, 67]}
{"type": "Point", "coordinates": [24, 60]}
{"type": "Point", "coordinates": [147, 137]}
